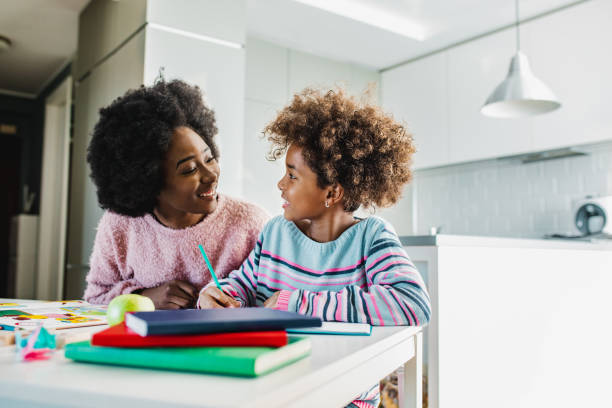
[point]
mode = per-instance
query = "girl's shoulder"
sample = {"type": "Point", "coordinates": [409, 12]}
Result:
{"type": "Point", "coordinates": [277, 223]}
{"type": "Point", "coordinates": [377, 229]}
{"type": "Point", "coordinates": [379, 225]}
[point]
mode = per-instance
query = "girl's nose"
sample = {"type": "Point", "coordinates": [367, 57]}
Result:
{"type": "Point", "coordinates": [280, 184]}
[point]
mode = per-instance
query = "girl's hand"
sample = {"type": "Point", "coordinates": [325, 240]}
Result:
{"type": "Point", "coordinates": [175, 294]}
{"type": "Point", "coordinates": [271, 301]}
{"type": "Point", "coordinates": [213, 298]}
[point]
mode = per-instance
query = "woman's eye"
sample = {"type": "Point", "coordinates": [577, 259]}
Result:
{"type": "Point", "coordinates": [189, 171]}
{"type": "Point", "coordinates": [291, 176]}
{"type": "Point", "coordinates": [210, 159]}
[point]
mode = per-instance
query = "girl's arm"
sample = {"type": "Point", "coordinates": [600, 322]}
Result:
{"type": "Point", "coordinates": [241, 284]}
{"type": "Point", "coordinates": [394, 294]}
{"type": "Point", "coordinates": [106, 279]}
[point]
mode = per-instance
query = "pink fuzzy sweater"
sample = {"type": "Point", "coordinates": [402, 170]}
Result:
{"type": "Point", "coordinates": [134, 253]}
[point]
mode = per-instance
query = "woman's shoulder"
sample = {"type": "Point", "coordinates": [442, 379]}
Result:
{"type": "Point", "coordinates": [117, 222]}
{"type": "Point", "coordinates": [244, 211]}
{"type": "Point", "coordinates": [117, 226]}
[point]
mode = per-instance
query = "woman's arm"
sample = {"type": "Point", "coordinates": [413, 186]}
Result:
{"type": "Point", "coordinates": [106, 278]}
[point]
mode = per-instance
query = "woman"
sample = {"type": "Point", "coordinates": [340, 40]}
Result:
{"type": "Point", "coordinates": [155, 165]}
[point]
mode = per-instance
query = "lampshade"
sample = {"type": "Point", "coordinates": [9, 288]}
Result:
{"type": "Point", "coordinates": [520, 94]}
{"type": "Point", "coordinates": [5, 43]}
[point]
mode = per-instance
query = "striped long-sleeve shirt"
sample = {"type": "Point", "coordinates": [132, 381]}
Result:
{"type": "Point", "coordinates": [363, 276]}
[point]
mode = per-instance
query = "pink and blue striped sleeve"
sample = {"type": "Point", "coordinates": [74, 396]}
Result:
{"type": "Point", "coordinates": [394, 294]}
{"type": "Point", "coordinates": [241, 284]}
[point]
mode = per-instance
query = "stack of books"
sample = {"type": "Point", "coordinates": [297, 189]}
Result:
{"type": "Point", "coordinates": [245, 342]}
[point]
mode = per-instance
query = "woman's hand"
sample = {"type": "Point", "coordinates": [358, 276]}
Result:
{"type": "Point", "coordinates": [271, 301]}
{"type": "Point", "coordinates": [213, 298]}
{"type": "Point", "coordinates": [175, 294]}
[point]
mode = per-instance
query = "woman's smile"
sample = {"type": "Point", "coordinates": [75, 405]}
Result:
{"type": "Point", "coordinates": [210, 194]}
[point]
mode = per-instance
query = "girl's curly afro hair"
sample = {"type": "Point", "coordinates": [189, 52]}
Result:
{"type": "Point", "coordinates": [131, 139]}
{"type": "Point", "coordinates": [357, 146]}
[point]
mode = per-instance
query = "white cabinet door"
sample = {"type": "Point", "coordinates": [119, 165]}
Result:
{"type": "Point", "coordinates": [571, 52]}
{"type": "Point", "coordinates": [474, 70]}
{"type": "Point", "coordinates": [416, 94]}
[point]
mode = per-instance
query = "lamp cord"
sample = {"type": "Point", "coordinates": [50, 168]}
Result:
{"type": "Point", "coordinates": [518, 36]}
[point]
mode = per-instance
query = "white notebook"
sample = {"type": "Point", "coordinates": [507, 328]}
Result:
{"type": "Point", "coordinates": [350, 329]}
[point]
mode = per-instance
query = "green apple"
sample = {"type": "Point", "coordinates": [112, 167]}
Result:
{"type": "Point", "coordinates": [127, 303]}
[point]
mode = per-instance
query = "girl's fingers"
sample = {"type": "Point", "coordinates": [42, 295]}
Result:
{"type": "Point", "coordinates": [208, 302]}
{"type": "Point", "coordinates": [221, 297]}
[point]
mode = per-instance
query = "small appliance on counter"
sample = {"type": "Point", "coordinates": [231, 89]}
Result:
{"type": "Point", "coordinates": [593, 219]}
{"type": "Point", "coordinates": [593, 216]}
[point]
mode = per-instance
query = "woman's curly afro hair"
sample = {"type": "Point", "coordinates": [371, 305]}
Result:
{"type": "Point", "coordinates": [345, 142]}
{"type": "Point", "coordinates": [131, 139]}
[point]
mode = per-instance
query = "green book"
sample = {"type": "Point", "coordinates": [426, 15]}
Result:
{"type": "Point", "coordinates": [240, 361]}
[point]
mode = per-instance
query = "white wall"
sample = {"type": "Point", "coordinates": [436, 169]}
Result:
{"type": "Point", "coordinates": [203, 43]}
{"type": "Point", "coordinates": [273, 75]}
{"type": "Point", "coordinates": [508, 198]}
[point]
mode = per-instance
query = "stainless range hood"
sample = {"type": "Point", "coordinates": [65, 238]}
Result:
{"type": "Point", "coordinates": [545, 155]}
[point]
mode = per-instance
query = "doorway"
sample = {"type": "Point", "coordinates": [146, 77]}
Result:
{"type": "Point", "coordinates": [10, 177]}
{"type": "Point", "coordinates": [51, 253]}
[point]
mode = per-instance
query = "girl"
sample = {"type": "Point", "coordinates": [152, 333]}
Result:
{"type": "Point", "coordinates": [318, 259]}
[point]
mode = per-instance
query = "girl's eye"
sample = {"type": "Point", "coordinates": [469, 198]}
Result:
{"type": "Point", "coordinates": [210, 159]}
{"type": "Point", "coordinates": [189, 171]}
{"type": "Point", "coordinates": [291, 176]}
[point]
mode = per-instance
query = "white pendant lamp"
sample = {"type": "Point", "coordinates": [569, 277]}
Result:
{"type": "Point", "coordinates": [5, 43]}
{"type": "Point", "coordinates": [521, 93]}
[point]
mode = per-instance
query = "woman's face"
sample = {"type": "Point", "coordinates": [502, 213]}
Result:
{"type": "Point", "coordinates": [303, 198]}
{"type": "Point", "coordinates": [191, 174]}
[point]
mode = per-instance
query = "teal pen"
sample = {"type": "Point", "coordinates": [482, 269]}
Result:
{"type": "Point", "coordinates": [210, 268]}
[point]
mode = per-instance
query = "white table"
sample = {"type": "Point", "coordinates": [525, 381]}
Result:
{"type": "Point", "coordinates": [338, 369]}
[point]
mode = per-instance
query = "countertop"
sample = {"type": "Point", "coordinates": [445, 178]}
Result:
{"type": "Point", "coordinates": [483, 241]}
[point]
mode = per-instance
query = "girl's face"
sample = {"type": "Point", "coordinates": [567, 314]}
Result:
{"type": "Point", "coordinates": [191, 175]}
{"type": "Point", "coordinates": [303, 198]}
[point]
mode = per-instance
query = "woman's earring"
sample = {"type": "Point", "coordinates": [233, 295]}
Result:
{"type": "Point", "coordinates": [326, 204]}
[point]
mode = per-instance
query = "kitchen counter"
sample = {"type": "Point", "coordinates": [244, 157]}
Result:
{"type": "Point", "coordinates": [518, 318]}
{"type": "Point", "coordinates": [498, 242]}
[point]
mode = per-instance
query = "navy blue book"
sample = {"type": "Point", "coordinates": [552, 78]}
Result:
{"type": "Point", "coordinates": [199, 321]}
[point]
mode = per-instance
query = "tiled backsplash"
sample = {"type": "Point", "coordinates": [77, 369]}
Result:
{"type": "Point", "coordinates": [509, 198]}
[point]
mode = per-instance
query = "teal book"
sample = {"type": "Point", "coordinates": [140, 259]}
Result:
{"type": "Point", "coordinates": [341, 328]}
{"type": "Point", "coordinates": [239, 361]}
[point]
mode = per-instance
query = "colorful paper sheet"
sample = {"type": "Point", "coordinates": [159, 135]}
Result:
{"type": "Point", "coordinates": [53, 315]}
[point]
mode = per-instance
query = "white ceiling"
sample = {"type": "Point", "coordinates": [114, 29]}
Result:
{"type": "Point", "coordinates": [44, 37]}
{"type": "Point", "coordinates": [294, 24]}
{"type": "Point", "coordinates": [44, 32]}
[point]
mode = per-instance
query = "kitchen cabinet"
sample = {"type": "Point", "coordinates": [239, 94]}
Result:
{"type": "Point", "coordinates": [570, 50]}
{"type": "Point", "coordinates": [440, 96]}
{"type": "Point", "coordinates": [515, 322]}
{"type": "Point", "coordinates": [416, 95]}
